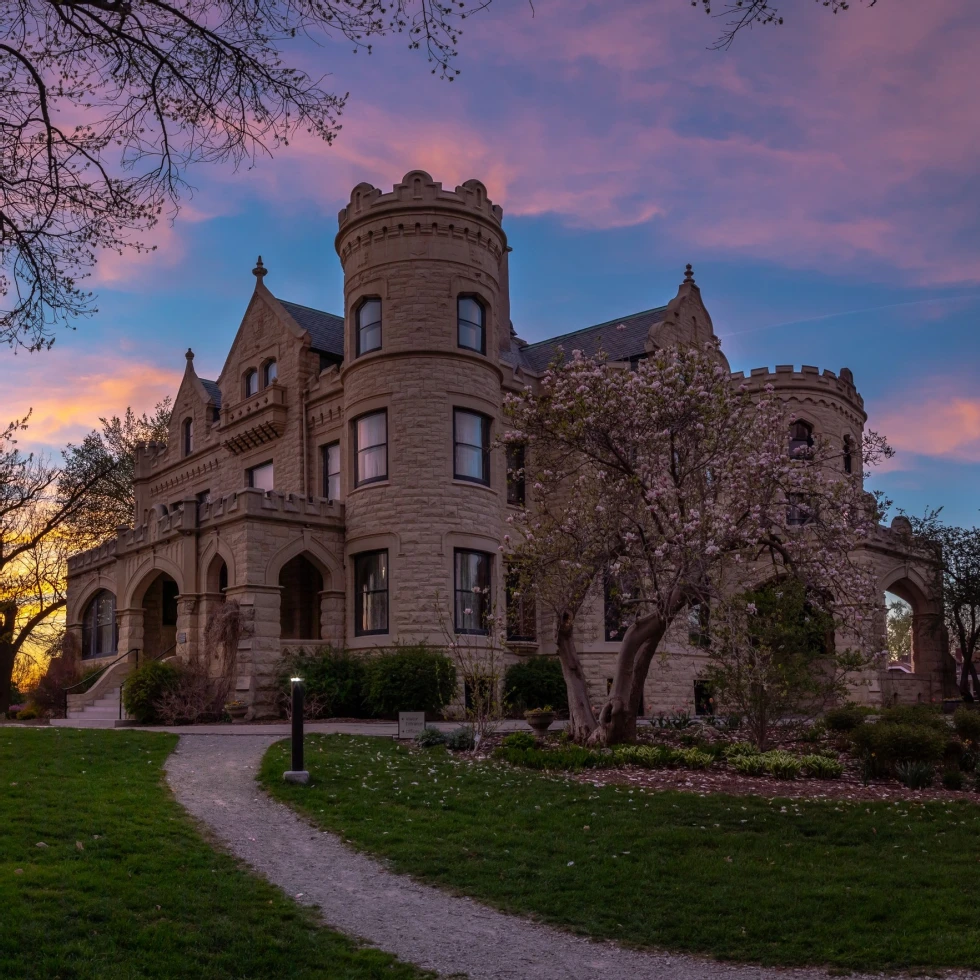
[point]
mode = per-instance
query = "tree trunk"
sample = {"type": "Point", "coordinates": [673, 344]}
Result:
{"type": "Point", "coordinates": [581, 718]}
{"type": "Point", "coordinates": [8, 653]}
{"type": "Point", "coordinates": [617, 719]}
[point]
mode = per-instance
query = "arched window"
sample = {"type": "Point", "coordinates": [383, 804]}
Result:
{"type": "Point", "coordinates": [368, 326]}
{"type": "Point", "coordinates": [800, 438]}
{"type": "Point", "coordinates": [251, 383]}
{"type": "Point", "coordinates": [188, 436]}
{"type": "Point", "coordinates": [99, 626]}
{"type": "Point", "coordinates": [848, 454]}
{"type": "Point", "coordinates": [269, 373]}
{"type": "Point", "coordinates": [471, 324]}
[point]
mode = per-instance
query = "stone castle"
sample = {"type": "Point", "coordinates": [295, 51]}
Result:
{"type": "Point", "coordinates": [339, 479]}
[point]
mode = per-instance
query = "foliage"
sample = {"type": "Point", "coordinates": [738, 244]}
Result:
{"type": "Point", "coordinates": [966, 721]}
{"type": "Point", "coordinates": [110, 456]}
{"type": "Point", "coordinates": [890, 744]}
{"type": "Point", "coordinates": [821, 767]}
{"type": "Point", "coordinates": [429, 738]}
{"type": "Point", "coordinates": [952, 779]}
{"type": "Point", "coordinates": [409, 678]}
{"type": "Point", "coordinates": [35, 520]}
{"type": "Point", "coordinates": [138, 849]}
{"type": "Point", "coordinates": [195, 696]}
{"type": "Point", "coordinates": [569, 758]}
{"type": "Point", "coordinates": [461, 739]}
{"type": "Point", "coordinates": [519, 740]}
{"type": "Point", "coordinates": [28, 714]}
{"type": "Point", "coordinates": [740, 748]}
{"type": "Point", "coordinates": [145, 686]}
{"type": "Point", "coordinates": [898, 631]}
{"type": "Point", "coordinates": [915, 775]}
{"type": "Point", "coordinates": [844, 719]}
{"type": "Point", "coordinates": [62, 670]}
{"type": "Point", "coordinates": [749, 765]}
{"type": "Point", "coordinates": [782, 765]}
{"type": "Point", "coordinates": [334, 681]}
{"type": "Point", "coordinates": [924, 715]}
{"type": "Point", "coordinates": [681, 482]}
{"type": "Point", "coordinates": [534, 682]}
{"type": "Point", "coordinates": [465, 828]}
{"type": "Point", "coordinates": [769, 655]}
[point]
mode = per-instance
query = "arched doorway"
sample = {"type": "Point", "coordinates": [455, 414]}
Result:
{"type": "Point", "coordinates": [160, 617]}
{"type": "Point", "coordinates": [300, 583]}
{"type": "Point", "coordinates": [898, 630]}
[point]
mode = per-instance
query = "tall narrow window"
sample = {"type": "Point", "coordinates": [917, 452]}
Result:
{"type": "Point", "coordinates": [515, 475]}
{"type": "Point", "coordinates": [370, 593]}
{"type": "Point", "coordinates": [472, 589]}
{"type": "Point", "coordinates": [704, 701]}
{"type": "Point", "coordinates": [99, 626]}
{"type": "Point", "coordinates": [188, 436]}
{"type": "Point", "coordinates": [471, 324]}
{"type": "Point", "coordinates": [368, 326]}
{"type": "Point", "coordinates": [798, 510]}
{"type": "Point", "coordinates": [699, 624]}
{"type": "Point", "coordinates": [331, 471]}
{"type": "Point", "coordinates": [800, 439]}
{"type": "Point", "coordinates": [260, 476]}
{"type": "Point", "coordinates": [251, 383]}
{"type": "Point", "coordinates": [471, 446]}
{"type": "Point", "coordinates": [270, 373]}
{"type": "Point", "coordinates": [521, 618]}
{"type": "Point", "coordinates": [848, 457]}
{"type": "Point", "coordinates": [371, 448]}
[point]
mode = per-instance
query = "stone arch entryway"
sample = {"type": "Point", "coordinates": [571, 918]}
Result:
{"type": "Point", "coordinates": [159, 606]}
{"type": "Point", "coordinates": [301, 591]}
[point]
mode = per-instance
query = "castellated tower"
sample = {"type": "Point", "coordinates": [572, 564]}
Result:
{"type": "Point", "coordinates": [427, 312]}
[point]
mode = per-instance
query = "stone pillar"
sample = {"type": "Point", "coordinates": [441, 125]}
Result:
{"type": "Point", "coordinates": [258, 648]}
{"type": "Point", "coordinates": [332, 602]}
{"type": "Point", "coordinates": [186, 637]}
{"type": "Point", "coordinates": [130, 627]}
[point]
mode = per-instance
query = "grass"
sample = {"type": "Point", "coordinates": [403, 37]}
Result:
{"type": "Point", "coordinates": [126, 887]}
{"type": "Point", "coordinates": [846, 885]}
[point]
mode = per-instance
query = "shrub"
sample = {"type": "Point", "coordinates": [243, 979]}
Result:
{"type": "Point", "coordinates": [783, 765]}
{"type": "Point", "coordinates": [27, 714]}
{"type": "Point", "coordinates": [535, 682]}
{"type": "Point", "coordinates": [892, 743]}
{"type": "Point", "coordinates": [333, 681]}
{"type": "Point", "coordinates": [145, 686]}
{"type": "Point", "coordinates": [519, 740]}
{"type": "Point", "coordinates": [953, 753]}
{"type": "Point", "coordinates": [696, 759]}
{"type": "Point", "coordinates": [410, 678]}
{"type": "Point", "coordinates": [749, 765]}
{"type": "Point", "coordinates": [569, 759]}
{"type": "Point", "coordinates": [967, 725]}
{"type": "Point", "coordinates": [460, 739]}
{"type": "Point", "coordinates": [953, 779]}
{"type": "Point", "coordinates": [429, 737]}
{"type": "Point", "coordinates": [647, 756]}
{"type": "Point", "coordinates": [814, 732]}
{"type": "Point", "coordinates": [915, 775]}
{"type": "Point", "coordinates": [844, 719]}
{"type": "Point", "coordinates": [740, 748]}
{"type": "Point", "coordinates": [821, 767]}
{"type": "Point", "coordinates": [916, 715]}
{"type": "Point", "coordinates": [968, 761]}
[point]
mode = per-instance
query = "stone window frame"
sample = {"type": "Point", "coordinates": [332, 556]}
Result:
{"type": "Point", "coordinates": [273, 364]}
{"type": "Point", "coordinates": [356, 560]}
{"type": "Point", "coordinates": [355, 455]}
{"type": "Point", "coordinates": [482, 304]}
{"type": "Point", "coordinates": [518, 614]}
{"type": "Point", "coordinates": [486, 423]}
{"type": "Point", "coordinates": [93, 629]}
{"type": "Point", "coordinates": [250, 473]}
{"type": "Point", "coordinates": [187, 435]}
{"type": "Point", "coordinates": [250, 376]}
{"type": "Point", "coordinates": [359, 327]}
{"type": "Point", "coordinates": [325, 471]}
{"type": "Point", "coordinates": [800, 437]}
{"type": "Point", "coordinates": [486, 603]}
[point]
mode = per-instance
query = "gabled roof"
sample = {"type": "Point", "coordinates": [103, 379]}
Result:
{"type": "Point", "coordinates": [617, 344]}
{"type": "Point", "coordinates": [325, 329]}
{"type": "Point", "coordinates": [214, 392]}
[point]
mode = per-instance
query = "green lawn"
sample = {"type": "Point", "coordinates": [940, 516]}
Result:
{"type": "Point", "coordinates": [847, 885]}
{"type": "Point", "coordinates": [126, 888]}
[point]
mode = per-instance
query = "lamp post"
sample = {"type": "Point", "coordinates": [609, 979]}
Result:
{"type": "Point", "coordinates": [297, 774]}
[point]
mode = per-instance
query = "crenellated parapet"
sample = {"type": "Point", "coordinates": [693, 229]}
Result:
{"type": "Point", "coordinates": [86, 561]}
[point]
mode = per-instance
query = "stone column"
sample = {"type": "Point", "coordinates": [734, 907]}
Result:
{"type": "Point", "coordinates": [258, 648]}
{"type": "Point", "coordinates": [332, 603]}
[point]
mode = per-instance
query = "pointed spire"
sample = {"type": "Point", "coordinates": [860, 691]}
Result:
{"type": "Point", "coordinates": [689, 273]}
{"type": "Point", "coordinates": [189, 355]}
{"type": "Point", "coordinates": [260, 270]}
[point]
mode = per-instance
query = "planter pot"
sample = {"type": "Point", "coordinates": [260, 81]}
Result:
{"type": "Point", "coordinates": [540, 721]}
{"type": "Point", "coordinates": [237, 712]}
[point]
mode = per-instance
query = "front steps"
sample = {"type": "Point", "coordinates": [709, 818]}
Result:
{"type": "Point", "coordinates": [103, 713]}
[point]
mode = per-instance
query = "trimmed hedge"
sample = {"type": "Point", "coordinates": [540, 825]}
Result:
{"type": "Point", "coordinates": [410, 678]}
{"type": "Point", "coordinates": [144, 687]}
{"type": "Point", "coordinates": [334, 680]}
{"type": "Point", "coordinates": [966, 721]}
{"type": "Point", "coordinates": [534, 683]}
{"type": "Point", "coordinates": [844, 719]}
{"type": "Point", "coordinates": [887, 744]}
{"type": "Point", "coordinates": [915, 715]}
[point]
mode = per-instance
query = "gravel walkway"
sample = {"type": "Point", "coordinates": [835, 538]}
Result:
{"type": "Point", "coordinates": [213, 777]}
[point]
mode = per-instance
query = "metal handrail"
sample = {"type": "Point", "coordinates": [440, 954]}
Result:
{"type": "Point", "coordinates": [93, 678]}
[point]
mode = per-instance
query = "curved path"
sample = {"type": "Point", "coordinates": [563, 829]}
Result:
{"type": "Point", "coordinates": [213, 777]}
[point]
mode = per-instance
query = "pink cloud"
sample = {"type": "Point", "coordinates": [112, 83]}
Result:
{"type": "Point", "coordinates": [946, 426]}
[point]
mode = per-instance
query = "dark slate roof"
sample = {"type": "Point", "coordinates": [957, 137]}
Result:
{"type": "Point", "coordinates": [214, 392]}
{"type": "Point", "coordinates": [326, 330]}
{"type": "Point", "coordinates": [618, 345]}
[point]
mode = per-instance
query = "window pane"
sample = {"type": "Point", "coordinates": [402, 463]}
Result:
{"type": "Point", "coordinates": [369, 326]}
{"type": "Point", "coordinates": [472, 580]}
{"type": "Point", "coordinates": [369, 338]}
{"type": "Point", "coordinates": [470, 309]}
{"type": "Point", "coordinates": [371, 464]}
{"type": "Point", "coordinates": [271, 372]}
{"type": "Point", "coordinates": [470, 336]}
{"type": "Point", "coordinates": [371, 592]}
{"type": "Point", "coordinates": [261, 477]}
{"type": "Point", "coordinates": [469, 462]}
{"type": "Point", "coordinates": [469, 428]}
{"type": "Point", "coordinates": [372, 430]}
{"type": "Point", "coordinates": [331, 478]}
{"type": "Point", "coordinates": [251, 383]}
{"type": "Point", "coordinates": [369, 312]}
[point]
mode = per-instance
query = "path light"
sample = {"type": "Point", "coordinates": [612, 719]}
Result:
{"type": "Point", "coordinates": [297, 774]}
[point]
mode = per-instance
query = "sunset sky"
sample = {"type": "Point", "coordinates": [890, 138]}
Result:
{"type": "Point", "coordinates": [822, 177]}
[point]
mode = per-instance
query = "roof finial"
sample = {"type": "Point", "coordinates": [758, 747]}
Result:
{"type": "Point", "coordinates": [688, 272]}
{"type": "Point", "coordinates": [189, 355]}
{"type": "Point", "coordinates": [260, 270]}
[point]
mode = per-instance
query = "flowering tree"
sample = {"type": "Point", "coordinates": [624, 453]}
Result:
{"type": "Point", "coordinates": [680, 484]}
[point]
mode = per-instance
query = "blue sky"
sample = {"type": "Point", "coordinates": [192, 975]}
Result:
{"type": "Point", "coordinates": [821, 177]}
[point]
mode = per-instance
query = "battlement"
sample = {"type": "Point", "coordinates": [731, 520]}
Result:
{"type": "Point", "coordinates": [418, 190]}
{"type": "Point", "coordinates": [808, 377]}
{"type": "Point", "coordinates": [86, 560]}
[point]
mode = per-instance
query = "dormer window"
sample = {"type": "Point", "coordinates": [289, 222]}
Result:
{"type": "Point", "coordinates": [188, 436]}
{"type": "Point", "coordinates": [800, 439]}
{"type": "Point", "coordinates": [471, 324]}
{"type": "Point", "coordinates": [368, 326]}
{"type": "Point", "coordinates": [269, 373]}
{"type": "Point", "coordinates": [251, 383]}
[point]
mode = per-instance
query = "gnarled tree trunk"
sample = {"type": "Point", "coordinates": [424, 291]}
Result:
{"type": "Point", "coordinates": [581, 718]}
